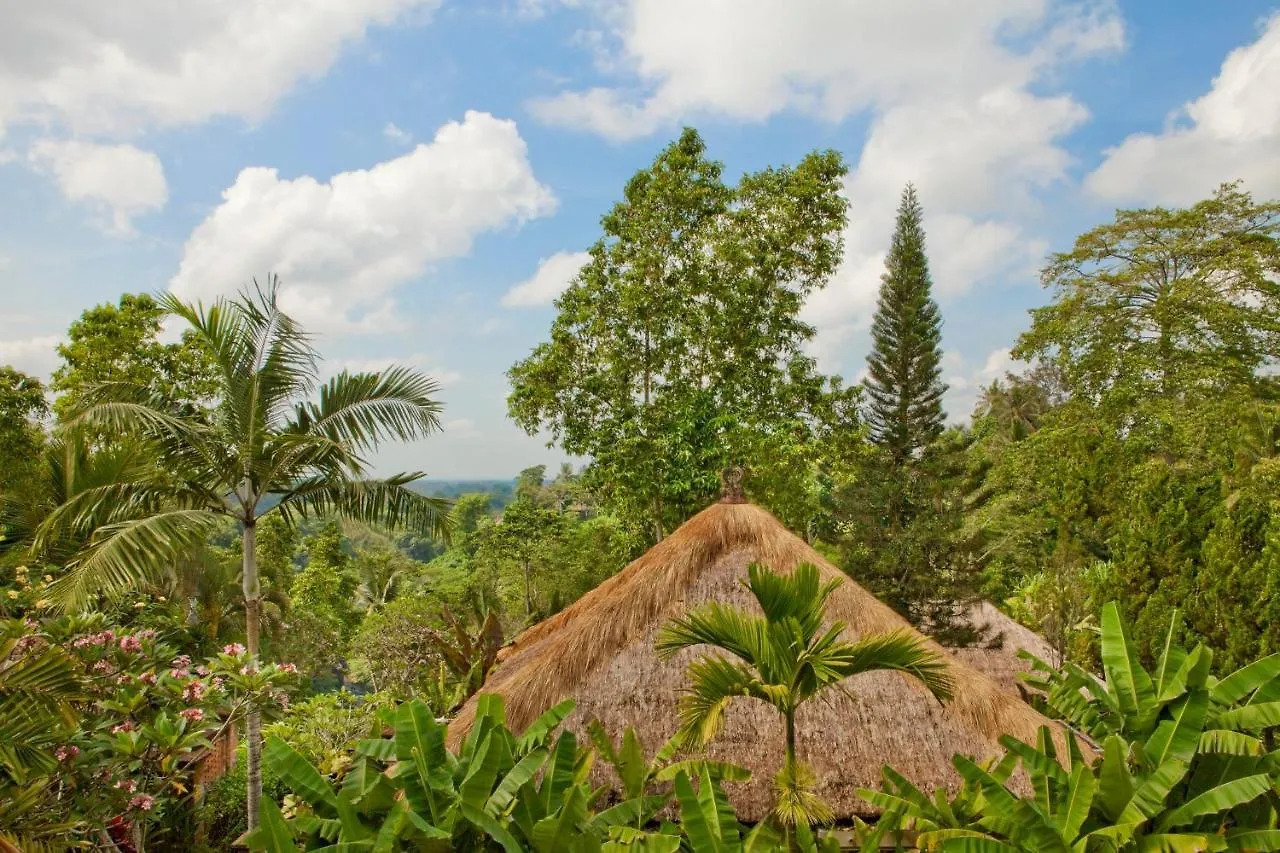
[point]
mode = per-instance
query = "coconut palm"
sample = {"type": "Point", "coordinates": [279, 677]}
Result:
{"type": "Point", "coordinates": [262, 446]}
{"type": "Point", "coordinates": [784, 658]}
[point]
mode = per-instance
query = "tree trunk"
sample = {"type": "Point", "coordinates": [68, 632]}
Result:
{"type": "Point", "coordinates": [528, 592]}
{"type": "Point", "coordinates": [252, 627]}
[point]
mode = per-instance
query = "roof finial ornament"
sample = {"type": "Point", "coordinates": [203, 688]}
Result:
{"type": "Point", "coordinates": [731, 485]}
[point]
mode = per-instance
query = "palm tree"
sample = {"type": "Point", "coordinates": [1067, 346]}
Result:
{"type": "Point", "coordinates": [261, 447]}
{"type": "Point", "coordinates": [784, 658]}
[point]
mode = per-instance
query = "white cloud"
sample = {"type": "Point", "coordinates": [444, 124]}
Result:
{"type": "Point", "coordinates": [444, 376]}
{"type": "Point", "coordinates": [396, 135]}
{"type": "Point", "coordinates": [119, 180]}
{"type": "Point", "coordinates": [37, 356]}
{"type": "Point", "coordinates": [460, 427]}
{"type": "Point", "coordinates": [965, 382]}
{"type": "Point", "coordinates": [341, 247]}
{"type": "Point", "coordinates": [119, 68]}
{"type": "Point", "coordinates": [550, 280]}
{"type": "Point", "coordinates": [957, 97]}
{"type": "Point", "coordinates": [824, 58]}
{"type": "Point", "coordinates": [1233, 131]}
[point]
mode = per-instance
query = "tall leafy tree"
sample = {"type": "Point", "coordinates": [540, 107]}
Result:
{"type": "Point", "coordinates": [680, 338]}
{"type": "Point", "coordinates": [904, 384]}
{"type": "Point", "coordinates": [22, 444]}
{"type": "Point", "coordinates": [265, 447]}
{"type": "Point", "coordinates": [121, 343]}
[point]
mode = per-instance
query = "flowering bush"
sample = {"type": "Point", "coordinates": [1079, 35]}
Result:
{"type": "Point", "coordinates": [127, 741]}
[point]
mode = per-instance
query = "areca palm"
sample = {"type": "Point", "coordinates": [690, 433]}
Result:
{"type": "Point", "coordinates": [784, 658]}
{"type": "Point", "coordinates": [262, 446]}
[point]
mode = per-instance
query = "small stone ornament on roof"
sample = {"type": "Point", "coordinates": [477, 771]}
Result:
{"type": "Point", "coordinates": [731, 486]}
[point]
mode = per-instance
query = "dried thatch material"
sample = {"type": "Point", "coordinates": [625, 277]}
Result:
{"type": "Point", "coordinates": [997, 656]}
{"type": "Point", "coordinates": [600, 651]}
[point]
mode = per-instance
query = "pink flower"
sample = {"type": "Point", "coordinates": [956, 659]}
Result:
{"type": "Point", "coordinates": [102, 666]}
{"type": "Point", "coordinates": [148, 634]}
{"type": "Point", "coordinates": [143, 802]}
{"type": "Point", "coordinates": [126, 726]}
{"type": "Point", "coordinates": [202, 671]}
{"type": "Point", "coordinates": [179, 673]}
{"type": "Point", "coordinates": [195, 715]}
{"type": "Point", "coordinates": [147, 678]}
{"type": "Point", "coordinates": [248, 669]}
{"type": "Point", "coordinates": [182, 661]}
{"type": "Point", "coordinates": [194, 691]}
{"type": "Point", "coordinates": [233, 649]}
{"type": "Point", "coordinates": [130, 644]}
{"type": "Point", "coordinates": [123, 678]}
{"type": "Point", "coordinates": [217, 683]}
{"type": "Point", "coordinates": [108, 637]}
{"type": "Point", "coordinates": [62, 753]}
{"type": "Point", "coordinates": [289, 668]}
{"type": "Point", "coordinates": [127, 785]}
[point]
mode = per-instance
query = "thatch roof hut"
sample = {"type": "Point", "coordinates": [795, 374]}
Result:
{"type": "Point", "coordinates": [600, 651]}
{"type": "Point", "coordinates": [997, 655]}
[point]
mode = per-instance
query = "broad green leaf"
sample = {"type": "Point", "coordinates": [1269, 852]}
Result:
{"type": "Point", "coordinates": [540, 729]}
{"type": "Point", "coordinates": [1125, 674]}
{"type": "Point", "coordinates": [1252, 717]}
{"type": "Point", "coordinates": [1225, 796]}
{"type": "Point", "coordinates": [1176, 738]}
{"type": "Point", "coordinates": [1246, 680]}
{"type": "Point", "coordinates": [272, 834]}
{"type": "Point", "coordinates": [296, 772]}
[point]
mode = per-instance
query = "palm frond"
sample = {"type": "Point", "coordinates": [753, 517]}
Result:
{"type": "Point", "coordinates": [715, 624]}
{"type": "Point", "coordinates": [123, 554]}
{"type": "Point", "coordinates": [388, 502]}
{"type": "Point", "coordinates": [800, 595]}
{"type": "Point", "coordinates": [900, 651]}
{"type": "Point", "coordinates": [714, 682]}
{"type": "Point", "coordinates": [363, 409]}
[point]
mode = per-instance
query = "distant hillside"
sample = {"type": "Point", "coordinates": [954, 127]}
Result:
{"type": "Point", "coordinates": [502, 490]}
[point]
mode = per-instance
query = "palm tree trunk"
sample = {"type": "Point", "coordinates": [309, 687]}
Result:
{"type": "Point", "coordinates": [252, 627]}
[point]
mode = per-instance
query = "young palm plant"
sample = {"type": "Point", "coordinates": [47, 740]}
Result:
{"type": "Point", "coordinates": [263, 446]}
{"type": "Point", "coordinates": [784, 658]}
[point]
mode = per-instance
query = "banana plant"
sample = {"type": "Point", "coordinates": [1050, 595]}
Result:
{"type": "Point", "coordinates": [522, 793]}
{"type": "Point", "coordinates": [1110, 805]}
{"type": "Point", "coordinates": [708, 824]}
{"type": "Point", "coordinates": [1159, 709]}
{"type": "Point", "coordinates": [905, 807]}
{"type": "Point", "coordinates": [1220, 730]}
{"type": "Point", "coordinates": [639, 776]}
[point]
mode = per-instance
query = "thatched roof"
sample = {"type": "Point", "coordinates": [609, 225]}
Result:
{"type": "Point", "coordinates": [1002, 638]}
{"type": "Point", "coordinates": [600, 651]}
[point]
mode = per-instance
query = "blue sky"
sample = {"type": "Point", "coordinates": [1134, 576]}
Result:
{"type": "Point", "coordinates": [422, 173]}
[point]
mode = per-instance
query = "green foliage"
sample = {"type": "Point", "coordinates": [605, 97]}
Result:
{"type": "Point", "coordinates": [783, 658]}
{"type": "Point", "coordinates": [22, 440]}
{"type": "Point", "coordinates": [904, 369]}
{"type": "Point", "coordinates": [97, 723]}
{"type": "Point", "coordinates": [121, 343]}
{"type": "Point", "coordinates": [677, 348]}
{"type": "Point", "coordinates": [325, 728]}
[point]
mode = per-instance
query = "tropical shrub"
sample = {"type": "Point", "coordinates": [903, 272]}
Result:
{"type": "Point", "coordinates": [783, 658]}
{"type": "Point", "coordinates": [100, 728]}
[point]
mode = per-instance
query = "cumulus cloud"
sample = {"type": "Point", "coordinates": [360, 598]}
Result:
{"type": "Point", "coordinates": [342, 246]}
{"type": "Point", "coordinates": [397, 135]}
{"type": "Point", "coordinates": [120, 181]}
{"type": "Point", "coordinates": [118, 68]}
{"type": "Point", "coordinates": [444, 376]}
{"type": "Point", "coordinates": [965, 381]}
{"type": "Point", "coordinates": [550, 280]}
{"type": "Point", "coordinates": [37, 355]}
{"type": "Point", "coordinates": [958, 97]}
{"type": "Point", "coordinates": [1232, 131]}
{"type": "Point", "coordinates": [818, 57]}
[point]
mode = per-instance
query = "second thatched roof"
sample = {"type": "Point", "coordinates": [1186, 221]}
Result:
{"type": "Point", "coordinates": [600, 652]}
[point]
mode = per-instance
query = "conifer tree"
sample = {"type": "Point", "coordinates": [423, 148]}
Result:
{"type": "Point", "coordinates": [904, 385]}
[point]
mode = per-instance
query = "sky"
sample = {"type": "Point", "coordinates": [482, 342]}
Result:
{"type": "Point", "coordinates": [425, 175]}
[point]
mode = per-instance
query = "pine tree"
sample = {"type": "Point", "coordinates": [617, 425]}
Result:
{"type": "Point", "coordinates": [904, 384]}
